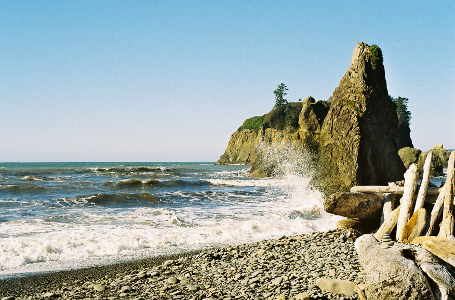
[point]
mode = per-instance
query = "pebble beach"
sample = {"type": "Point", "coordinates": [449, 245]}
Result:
{"type": "Point", "coordinates": [283, 268]}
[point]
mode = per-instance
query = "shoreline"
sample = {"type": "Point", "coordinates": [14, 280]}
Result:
{"type": "Point", "coordinates": [282, 268]}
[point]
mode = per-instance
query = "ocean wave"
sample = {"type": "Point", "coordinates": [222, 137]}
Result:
{"type": "Point", "coordinates": [131, 170]}
{"type": "Point", "coordinates": [135, 182]}
{"type": "Point", "coordinates": [116, 199]}
{"type": "Point", "coordinates": [22, 188]}
{"type": "Point", "coordinates": [245, 182]}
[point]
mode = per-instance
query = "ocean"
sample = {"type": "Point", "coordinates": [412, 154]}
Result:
{"type": "Point", "coordinates": [58, 216]}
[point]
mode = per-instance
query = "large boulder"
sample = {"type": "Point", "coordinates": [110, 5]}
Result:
{"type": "Point", "coordinates": [409, 156]}
{"type": "Point", "coordinates": [355, 205]}
{"type": "Point", "coordinates": [439, 160]}
{"type": "Point", "coordinates": [358, 137]}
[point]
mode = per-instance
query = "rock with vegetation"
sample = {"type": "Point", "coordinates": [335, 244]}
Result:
{"type": "Point", "coordinates": [358, 136]}
{"type": "Point", "coordinates": [409, 156]}
{"type": "Point", "coordinates": [311, 118]}
{"type": "Point", "coordinates": [351, 139]}
{"type": "Point", "coordinates": [241, 148]}
{"type": "Point", "coordinates": [439, 160]}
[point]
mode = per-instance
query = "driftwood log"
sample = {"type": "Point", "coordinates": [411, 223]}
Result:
{"type": "Point", "coordinates": [436, 212]}
{"type": "Point", "coordinates": [415, 226]}
{"type": "Point", "coordinates": [447, 217]}
{"type": "Point", "coordinates": [406, 202]}
{"type": "Point", "coordinates": [388, 224]}
{"type": "Point", "coordinates": [389, 204]}
{"type": "Point", "coordinates": [398, 190]}
{"type": "Point", "coordinates": [421, 224]}
{"type": "Point", "coordinates": [424, 185]}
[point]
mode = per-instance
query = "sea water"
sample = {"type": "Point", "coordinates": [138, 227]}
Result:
{"type": "Point", "coordinates": [57, 216]}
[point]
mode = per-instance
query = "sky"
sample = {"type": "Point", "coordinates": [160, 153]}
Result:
{"type": "Point", "coordinates": [172, 80]}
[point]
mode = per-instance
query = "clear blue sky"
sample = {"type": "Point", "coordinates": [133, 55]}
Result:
{"type": "Point", "coordinates": [171, 80]}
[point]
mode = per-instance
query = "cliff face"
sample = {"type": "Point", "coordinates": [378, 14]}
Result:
{"type": "Point", "coordinates": [241, 148]}
{"type": "Point", "coordinates": [353, 140]}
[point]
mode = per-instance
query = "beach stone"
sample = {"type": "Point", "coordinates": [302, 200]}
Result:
{"type": "Point", "coordinates": [390, 273]}
{"type": "Point", "coordinates": [302, 296]}
{"type": "Point", "coordinates": [125, 289]}
{"type": "Point", "coordinates": [277, 281]}
{"type": "Point", "coordinates": [49, 295]}
{"type": "Point", "coordinates": [98, 287]}
{"type": "Point", "coordinates": [336, 286]}
{"type": "Point", "coordinates": [167, 263]}
{"type": "Point", "coordinates": [172, 280]}
{"type": "Point", "coordinates": [192, 287]}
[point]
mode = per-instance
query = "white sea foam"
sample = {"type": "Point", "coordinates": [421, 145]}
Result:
{"type": "Point", "coordinates": [283, 205]}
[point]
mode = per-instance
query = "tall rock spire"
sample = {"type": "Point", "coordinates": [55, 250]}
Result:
{"type": "Point", "coordinates": [358, 136]}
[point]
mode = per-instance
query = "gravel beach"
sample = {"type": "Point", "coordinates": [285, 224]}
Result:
{"type": "Point", "coordinates": [284, 268]}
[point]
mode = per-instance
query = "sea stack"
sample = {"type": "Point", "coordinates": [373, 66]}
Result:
{"type": "Point", "coordinates": [358, 136]}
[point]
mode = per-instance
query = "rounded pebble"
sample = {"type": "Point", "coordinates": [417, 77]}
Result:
{"type": "Point", "coordinates": [99, 287]}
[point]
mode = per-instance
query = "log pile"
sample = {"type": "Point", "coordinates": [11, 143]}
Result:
{"type": "Point", "coordinates": [410, 218]}
{"type": "Point", "coordinates": [421, 264]}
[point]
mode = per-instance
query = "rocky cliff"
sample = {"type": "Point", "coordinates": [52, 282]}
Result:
{"type": "Point", "coordinates": [352, 140]}
{"type": "Point", "coordinates": [358, 136]}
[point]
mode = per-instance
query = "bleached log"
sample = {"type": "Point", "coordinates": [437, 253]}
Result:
{"type": "Point", "coordinates": [435, 212]}
{"type": "Point", "coordinates": [388, 224]}
{"type": "Point", "coordinates": [387, 208]}
{"type": "Point", "coordinates": [396, 190]}
{"type": "Point", "coordinates": [424, 183]}
{"type": "Point", "coordinates": [406, 202]}
{"type": "Point", "coordinates": [447, 217]}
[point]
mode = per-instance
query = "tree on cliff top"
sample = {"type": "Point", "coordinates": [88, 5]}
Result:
{"type": "Point", "coordinates": [404, 115]}
{"type": "Point", "coordinates": [404, 120]}
{"type": "Point", "coordinates": [280, 92]}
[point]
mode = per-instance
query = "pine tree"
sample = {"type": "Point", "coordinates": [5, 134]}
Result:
{"type": "Point", "coordinates": [280, 92]}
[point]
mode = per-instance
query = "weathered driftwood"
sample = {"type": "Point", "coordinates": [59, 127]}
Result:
{"type": "Point", "coordinates": [431, 191]}
{"type": "Point", "coordinates": [388, 224]}
{"type": "Point", "coordinates": [406, 202]}
{"type": "Point", "coordinates": [388, 206]}
{"type": "Point", "coordinates": [435, 213]}
{"type": "Point", "coordinates": [424, 183]}
{"type": "Point", "coordinates": [389, 273]}
{"type": "Point", "coordinates": [447, 217]}
{"type": "Point", "coordinates": [415, 226]}
{"type": "Point", "coordinates": [439, 246]}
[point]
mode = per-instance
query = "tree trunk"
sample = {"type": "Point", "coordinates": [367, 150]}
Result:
{"type": "Point", "coordinates": [424, 183]}
{"type": "Point", "coordinates": [406, 202]}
